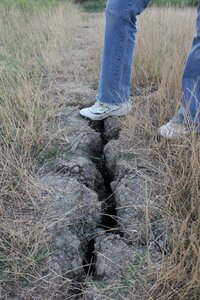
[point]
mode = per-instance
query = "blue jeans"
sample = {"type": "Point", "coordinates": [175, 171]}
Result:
{"type": "Point", "coordinates": [118, 53]}
{"type": "Point", "coordinates": [190, 110]}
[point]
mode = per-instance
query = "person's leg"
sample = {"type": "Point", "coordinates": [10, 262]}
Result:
{"type": "Point", "coordinates": [119, 46]}
{"type": "Point", "coordinates": [117, 58]}
{"type": "Point", "coordinates": [191, 80]}
{"type": "Point", "coordinates": [188, 116]}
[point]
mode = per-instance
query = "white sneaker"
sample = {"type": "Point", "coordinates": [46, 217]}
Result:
{"type": "Point", "coordinates": [100, 111]}
{"type": "Point", "coordinates": [173, 130]}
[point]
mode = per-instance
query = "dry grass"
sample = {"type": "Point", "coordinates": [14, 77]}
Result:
{"type": "Point", "coordinates": [32, 48]}
{"type": "Point", "coordinates": [164, 40]}
{"type": "Point", "coordinates": [163, 45]}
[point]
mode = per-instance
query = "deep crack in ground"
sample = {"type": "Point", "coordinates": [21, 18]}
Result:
{"type": "Point", "coordinates": [106, 197]}
{"type": "Point", "coordinates": [108, 220]}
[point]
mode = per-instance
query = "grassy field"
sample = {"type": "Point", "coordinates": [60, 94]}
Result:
{"type": "Point", "coordinates": [34, 51]}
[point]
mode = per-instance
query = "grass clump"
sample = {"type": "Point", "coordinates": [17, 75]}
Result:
{"type": "Point", "coordinates": [31, 44]}
{"type": "Point", "coordinates": [159, 65]}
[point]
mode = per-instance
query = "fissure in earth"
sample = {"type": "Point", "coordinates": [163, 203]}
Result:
{"type": "Point", "coordinates": [108, 204]}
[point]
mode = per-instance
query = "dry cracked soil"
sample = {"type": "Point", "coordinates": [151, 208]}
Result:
{"type": "Point", "coordinates": [104, 206]}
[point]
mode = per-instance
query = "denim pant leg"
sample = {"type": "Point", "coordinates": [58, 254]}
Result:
{"type": "Point", "coordinates": [119, 46]}
{"type": "Point", "coordinates": [190, 110]}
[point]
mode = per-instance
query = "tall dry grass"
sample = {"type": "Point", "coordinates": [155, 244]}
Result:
{"type": "Point", "coordinates": [165, 37]}
{"type": "Point", "coordinates": [34, 50]}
